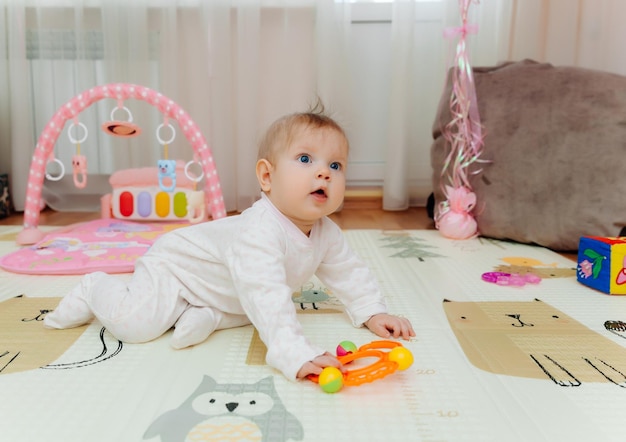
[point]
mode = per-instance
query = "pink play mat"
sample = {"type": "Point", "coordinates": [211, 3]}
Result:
{"type": "Point", "coordinates": [109, 245]}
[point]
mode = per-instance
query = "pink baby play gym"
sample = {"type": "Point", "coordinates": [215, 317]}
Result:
{"type": "Point", "coordinates": [144, 202]}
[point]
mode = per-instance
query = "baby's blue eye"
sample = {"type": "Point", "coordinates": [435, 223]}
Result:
{"type": "Point", "coordinates": [335, 166]}
{"type": "Point", "coordinates": [304, 159]}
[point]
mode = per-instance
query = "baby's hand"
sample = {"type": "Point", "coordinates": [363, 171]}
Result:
{"type": "Point", "coordinates": [385, 326]}
{"type": "Point", "coordinates": [318, 364]}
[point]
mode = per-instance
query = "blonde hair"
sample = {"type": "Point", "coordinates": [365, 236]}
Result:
{"type": "Point", "coordinates": [281, 133]}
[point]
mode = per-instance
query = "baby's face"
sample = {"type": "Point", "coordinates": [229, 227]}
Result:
{"type": "Point", "coordinates": [308, 180]}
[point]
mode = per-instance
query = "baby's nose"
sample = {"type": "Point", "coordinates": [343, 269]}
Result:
{"type": "Point", "coordinates": [324, 175]}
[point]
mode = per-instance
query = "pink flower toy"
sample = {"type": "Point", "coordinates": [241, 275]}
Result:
{"type": "Point", "coordinates": [79, 167]}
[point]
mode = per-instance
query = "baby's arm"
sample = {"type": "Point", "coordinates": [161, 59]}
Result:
{"type": "Point", "coordinates": [318, 364]}
{"type": "Point", "coordinates": [386, 326]}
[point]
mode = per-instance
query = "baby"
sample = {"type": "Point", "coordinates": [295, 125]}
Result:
{"type": "Point", "coordinates": [243, 269]}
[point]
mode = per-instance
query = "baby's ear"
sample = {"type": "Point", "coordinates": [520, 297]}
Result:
{"type": "Point", "coordinates": [264, 174]}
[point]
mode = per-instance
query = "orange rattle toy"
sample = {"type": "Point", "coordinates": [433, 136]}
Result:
{"type": "Point", "coordinates": [332, 380]}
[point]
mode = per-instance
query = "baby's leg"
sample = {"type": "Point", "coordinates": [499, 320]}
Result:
{"type": "Point", "coordinates": [197, 323]}
{"type": "Point", "coordinates": [131, 312]}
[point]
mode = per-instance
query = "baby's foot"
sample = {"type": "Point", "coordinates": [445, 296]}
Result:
{"type": "Point", "coordinates": [71, 312]}
{"type": "Point", "coordinates": [194, 326]}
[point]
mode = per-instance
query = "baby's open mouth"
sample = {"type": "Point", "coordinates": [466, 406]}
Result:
{"type": "Point", "coordinates": [319, 192]}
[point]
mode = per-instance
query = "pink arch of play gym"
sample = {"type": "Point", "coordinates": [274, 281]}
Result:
{"type": "Point", "coordinates": [118, 91]}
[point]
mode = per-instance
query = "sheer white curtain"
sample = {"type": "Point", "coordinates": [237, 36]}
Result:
{"type": "Point", "coordinates": [584, 33]}
{"type": "Point", "coordinates": [236, 65]}
{"type": "Point", "coordinates": [56, 50]}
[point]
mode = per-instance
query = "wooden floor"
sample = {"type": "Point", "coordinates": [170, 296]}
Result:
{"type": "Point", "coordinates": [351, 217]}
{"type": "Point", "coordinates": [356, 215]}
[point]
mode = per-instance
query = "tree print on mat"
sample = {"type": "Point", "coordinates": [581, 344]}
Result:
{"type": "Point", "coordinates": [409, 247]}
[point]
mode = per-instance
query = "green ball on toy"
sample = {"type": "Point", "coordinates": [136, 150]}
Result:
{"type": "Point", "coordinates": [331, 380]}
{"type": "Point", "coordinates": [346, 347]}
{"type": "Point", "coordinates": [401, 356]}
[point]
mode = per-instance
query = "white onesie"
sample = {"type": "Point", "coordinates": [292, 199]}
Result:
{"type": "Point", "coordinates": [234, 271]}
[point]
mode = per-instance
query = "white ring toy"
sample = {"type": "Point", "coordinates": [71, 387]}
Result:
{"type": "Point", "coordinates": [124, 108]}
{"type": "Point", "coordinates": [195, 179]}
{"type": "Point", "coordinates": [71, 137]}
{"type": "Point", "coordinates": [159, 136]}
{"type": "Point", "coordinates": [61, 175]}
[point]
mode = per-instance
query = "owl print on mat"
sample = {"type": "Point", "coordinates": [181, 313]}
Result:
{"type": "Point", "coordinates": [535, 340]}
{"type": "Point", "coordinates": [229, 413]}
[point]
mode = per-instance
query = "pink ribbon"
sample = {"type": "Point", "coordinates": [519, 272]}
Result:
{"type": "Point", "coordinates": [452, 32]}
{"type": "Point", "coordinates": [464, 135]}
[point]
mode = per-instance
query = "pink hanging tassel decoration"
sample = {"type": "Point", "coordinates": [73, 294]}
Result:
{"type": "Point", "coordinates": [463, 133]}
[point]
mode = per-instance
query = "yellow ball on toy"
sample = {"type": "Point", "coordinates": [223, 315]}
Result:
{"type": "Point", "coordinates": [331, 380]}
{"type": "Point", "coordinates": [401, 356]}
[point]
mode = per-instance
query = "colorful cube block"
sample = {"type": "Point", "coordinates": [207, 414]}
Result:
{"type": "Point", "coordinates": [602, 263]}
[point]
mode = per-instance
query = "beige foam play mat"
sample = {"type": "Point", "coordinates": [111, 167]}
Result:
{"type": "Point", "coordinates": [542, 361]}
